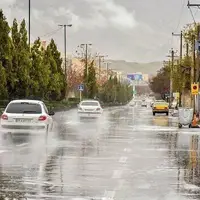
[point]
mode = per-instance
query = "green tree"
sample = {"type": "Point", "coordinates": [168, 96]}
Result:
{"type": "Point", "coordinates": [57, 83]}
{"type": "Point", "coordinates": [3, 83]}
{"type": "Point", "coordinates": [5, 51]}
{"type": "Point", "coordinates": [39, 72]}
{"type": "Point", "coordinates": [161, 82]}
{"type": "Point", "coordinates": [91, 81]}
{"type": "Point", "coordinates": [21, 60]}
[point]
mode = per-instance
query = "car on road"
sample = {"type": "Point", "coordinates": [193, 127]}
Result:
{"type": "Point", "coordinates": [24, 116]}
{"type": "Point", "coordinates": [160, 107]}
{"type": "Point", "coordinates": [144, 103]}
{"type": "Point", "coordinates": [89, 108]}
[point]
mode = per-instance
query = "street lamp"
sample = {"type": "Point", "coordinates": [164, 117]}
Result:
{"type": "Point", "coordinates": [65, 49]}
{"type": "Point", "coordinates": [65, 45]}
{"type": "Point", "coordinates": [86, 56]}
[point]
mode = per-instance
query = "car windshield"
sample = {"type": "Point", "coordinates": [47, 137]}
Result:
{"type": "Point", "coordinates": [160, 103]}
{"type": "Point", "coordinates": [24, 107]}
{"type": "Point", "coordinates": [89, 103]}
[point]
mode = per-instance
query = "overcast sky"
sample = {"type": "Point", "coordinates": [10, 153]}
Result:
{"type": "Point", "coordinates": [132, 30]}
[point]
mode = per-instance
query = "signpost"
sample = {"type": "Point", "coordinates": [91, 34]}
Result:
{"type": "Point", "coordinates": [194, 89]}
{"type": "Point", "coordinates": [81, 89]}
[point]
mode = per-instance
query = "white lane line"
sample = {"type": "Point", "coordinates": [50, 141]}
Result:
{"type": "Point", "coordinates": [117, 174]}
{"type": "Point", "coordinates": [108, 195]}
{"type": "Point", "coordinates": [22, 145]}
{"type": "Point", "coordinates": [121, 183]}
{"type": "Point", "coordinates": [123, 159]}
{"type": "Point", "coordinates": [127, 150]}
{"type": "Point", "coordinates": [3, 151]}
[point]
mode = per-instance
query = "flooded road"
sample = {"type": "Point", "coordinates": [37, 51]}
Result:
{"type": "Point", "coordinates": [124, 155]}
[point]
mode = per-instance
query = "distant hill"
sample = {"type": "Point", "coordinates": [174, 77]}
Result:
{"type": "Point", "coordinates": [132, 67]}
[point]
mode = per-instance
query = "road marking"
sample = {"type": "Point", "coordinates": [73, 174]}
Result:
{"type": "Point", "coordinates": [117, 174]}
{"type": "Point", "coordinates": [3, 151]}
{"type": "Point", "coordinates": [127, 150]}
{"type": "Point", "coordinates": [121, 183]}
{"type": "Point", "coordinates": [22, 145]}
{"type": "Point", "coordinates": [123, 159]}
{"type": "Point", "coordinates": [109, 195]}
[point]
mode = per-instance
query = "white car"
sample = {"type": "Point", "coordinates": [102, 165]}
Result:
{"type": "Point", "coordinates": [144, 103]}
{"type": "Point", "coordinates": [89, 108]}
{"type": "Point", "coordinates": [24, 116]}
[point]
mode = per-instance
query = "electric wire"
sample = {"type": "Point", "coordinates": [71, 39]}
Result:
{"type": "Point", "coordinates": [51, 33]}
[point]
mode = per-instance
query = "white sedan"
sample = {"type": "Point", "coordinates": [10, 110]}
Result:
{"type": "Point", "coordinates": [89, 108]}
{"type": "Point", "coordinates": [24, 116]}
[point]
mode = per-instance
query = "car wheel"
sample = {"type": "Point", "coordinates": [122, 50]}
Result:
{"type": "Point", "coordinates": [180, 125]}
{"type": "Point", "coordinates": [154, 113]}
{"type": "Point", "coordinates": [47, 130]}
{"type": "Point", "coordinates": [52, 125]}
{"type": "Point", "coordinates": [167, 113]}
{"type": "Point", "coordinates": [190, 125]}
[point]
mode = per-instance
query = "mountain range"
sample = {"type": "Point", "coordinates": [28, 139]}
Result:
{"type": "Point", "coordinates": [125, 67]}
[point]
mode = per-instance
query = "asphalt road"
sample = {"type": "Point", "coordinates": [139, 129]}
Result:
{"type": "Point", "coordinates": [126, 154]}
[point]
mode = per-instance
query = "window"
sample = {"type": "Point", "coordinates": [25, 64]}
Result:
{"type": "Point", "coordinates": [24, 107]}
{"type": "Point", "coordinates": [45, 108]}
{"type": "Point", "coordinates": [90, 103]}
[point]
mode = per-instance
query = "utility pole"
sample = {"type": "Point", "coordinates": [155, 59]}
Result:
{"type": "Point", "coordinates": [29, 23]}
{"type": "Point", "coordinates": [86, 57]}
{"type": "Point", "coordinates": [193, 5]}
{"type": "Point", "coordinates": [100, 60]}
{"type": "Point", "coordinates": [181, 43]}
{"type": "Point", "coordinates": [107, 68]}
{"type": "Point", "coordinates": [198, 65]}
{"type": "Point", "coordinates": [65, 50]}
{"type": "Point", "coordinates": [180, 65]}
{"type": "Point", "coordinates": [192, 72]}
{"type": "Point", "coordinates": [172, 55]}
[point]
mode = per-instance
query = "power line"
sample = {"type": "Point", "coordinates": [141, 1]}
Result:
{"type": "Point", "coordinates": [192, 15]}
{"type": "Point", "coordinates": [181, 13]}
{"type": "Point", "coordinates": [192, 5]}
{"type": "Point", "coordinates": [51, 33]}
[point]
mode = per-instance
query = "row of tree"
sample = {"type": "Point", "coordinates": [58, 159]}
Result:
{"type": "Point", "coordinates": [37, 71]}
{"type": "Point", "coordinates": [28, 71]}
{"type": "Point", "coordinates": [183, 70]}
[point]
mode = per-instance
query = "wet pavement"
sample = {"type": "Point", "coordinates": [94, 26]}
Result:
{"type": "Point", "coordinates": [126, 154]}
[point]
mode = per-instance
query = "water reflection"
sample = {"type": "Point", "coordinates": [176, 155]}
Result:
{"type": "Point", "coordinates": [10, 189]}
{"type": "Point", "coordinates": [183, 150]}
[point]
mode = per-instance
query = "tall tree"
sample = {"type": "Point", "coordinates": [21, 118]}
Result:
{"type": "Point", "coordinates": [91, 81]}
{"type": "Point", "coordinates": [161, 82]}
{"type": "Point", "coordinates": [3, 83]}
{"type": "Point", "coordinates": [57, 87]}
{"type": "Point", "coordinates": [21, 60]}
{"type": "Point", "coordinates": [39, 72]}
{"type": "Point", "coordinates": [5, 50]}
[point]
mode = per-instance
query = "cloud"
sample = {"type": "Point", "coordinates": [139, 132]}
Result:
{"type": "Point", "coordinates": [109, 13]}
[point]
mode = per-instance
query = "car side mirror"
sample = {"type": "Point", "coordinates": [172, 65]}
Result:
{"type": "Point", "coordinates": [51, 113]}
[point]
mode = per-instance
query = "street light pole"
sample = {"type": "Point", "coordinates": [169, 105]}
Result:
{"type": "Point", "coordinates": [65, 46]}
{"type": "Point", "coordinates": [65, 51]}
{"type": "Point", "coordinates": [100, 59]}
{"type": "Point", "coordinates": [180, 63]}
{"type": "Point", "coordinates": [107, 69]}
{"type": "Point", "coordinates": [86, 57]}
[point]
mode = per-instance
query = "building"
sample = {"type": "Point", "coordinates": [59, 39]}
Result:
{"type": "Point", "coordinates": [145, 77]}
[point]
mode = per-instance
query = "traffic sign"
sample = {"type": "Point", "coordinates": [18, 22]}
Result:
{"type": "Point", "coordinates": [194, 89]}
{"type": "Point", "coordinates": [197, 45]}
{"type": "Point", "coordinates": [81, 87]}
